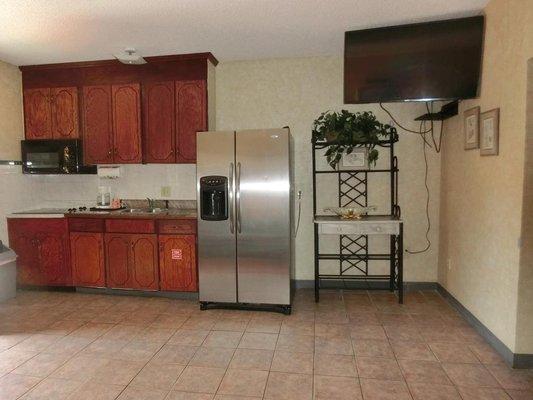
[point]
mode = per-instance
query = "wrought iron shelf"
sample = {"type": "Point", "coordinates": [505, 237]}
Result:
{"type": "Point", "coordinates": [353, 255]}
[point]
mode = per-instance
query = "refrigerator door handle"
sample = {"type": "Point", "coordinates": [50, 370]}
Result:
{"type": "Point", "coordinates": [231, 191]}
{"type": "Point", "coordinates": [238, 197]}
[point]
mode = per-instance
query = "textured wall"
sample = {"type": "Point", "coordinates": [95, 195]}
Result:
{"type": "Point", "coordinates": [11, 123]}
{"type": "Point", "coordinates": [293, 92]}
{"type": "Point", "coordinates": [481, 197]}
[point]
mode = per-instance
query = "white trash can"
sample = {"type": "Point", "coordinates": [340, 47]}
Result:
{"type": "Point", "coordinates": [8, 273]}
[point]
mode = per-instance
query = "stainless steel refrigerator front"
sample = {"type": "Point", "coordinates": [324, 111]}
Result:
{"type": "Point", "coordinates": [245, 255]}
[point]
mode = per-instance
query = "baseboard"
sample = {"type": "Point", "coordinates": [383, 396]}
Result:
{"type": "Point", "coordinates": [142, 293]}
{"type": "Point", "coordinates": [512, 359]}
{"type": "Point", "coordinates": [372, 285]}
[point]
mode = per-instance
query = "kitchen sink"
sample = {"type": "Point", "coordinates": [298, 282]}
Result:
{"type": "Point", "coordinates": [143, 210]}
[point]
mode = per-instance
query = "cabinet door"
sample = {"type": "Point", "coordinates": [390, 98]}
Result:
{"type": "Point", "coordinates": [144, 266]}
{"type": "Point", "coordinates": [87, 258]}
{"type": "Point", "coordinates": [25, 245]}
{"type": "Point", "coordinates": [65, 113]}
{"type": "Point", "coordinates": [37, 115]}
{"type": "Point", "coordinates": [159, 123]}
{"type": "Point", "coordinates": [191, 117]}
{"type": "Point", "coordinates": [97, 125]}
{"type": "Point", "coordinates": [127, 123]}
{"type": "Point", "coordinates": [54, 258]}
{"type": "Point", "coordinates": [177, 263]}
{"type": "Point", "coordinates": [117, 255]}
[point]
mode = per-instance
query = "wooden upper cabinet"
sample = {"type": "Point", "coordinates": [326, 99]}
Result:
{"type": "Point", "coordinates": [159, 122]}
{"type": "Point", "coordinates": [97, 125]}
{"type": "Point", "coordinates": [64, 113]}
{"type": "Point", "coordinates": [177, 263]}
{"type": "Point", "coordinates": [127, 123]}
{"type": "Point", "coordinates": [37, 114]}
{"type": "Point", "coordinates": [191, 117]}
{"type": "Point", "coordinates": [87, 258]}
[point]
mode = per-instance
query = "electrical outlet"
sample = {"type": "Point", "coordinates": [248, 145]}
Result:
{"type": "Point", "coordinates": [449, 264]}
{"type": "Point", "coordinates": [165, 191]}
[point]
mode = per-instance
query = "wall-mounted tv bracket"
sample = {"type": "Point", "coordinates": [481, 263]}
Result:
{"type": "Point", "coordinates": [447, 111]}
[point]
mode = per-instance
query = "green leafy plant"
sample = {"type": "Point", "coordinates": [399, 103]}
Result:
{"type": "Point", "coordinates": [343, 131]}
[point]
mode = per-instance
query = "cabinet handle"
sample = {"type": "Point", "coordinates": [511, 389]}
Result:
{"type": "Point", "coordinates": [161, 247]}
{"type": "Point", "coordinates": [109, 152]}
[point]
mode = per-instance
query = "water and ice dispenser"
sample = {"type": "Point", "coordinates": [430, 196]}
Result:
{"type": "Point", "coordinates": [214, 198]}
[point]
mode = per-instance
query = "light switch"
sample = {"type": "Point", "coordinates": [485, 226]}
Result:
{"type": "Point", "coordinates": [165, 191]}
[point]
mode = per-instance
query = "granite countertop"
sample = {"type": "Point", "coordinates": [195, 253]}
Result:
{"type": "Point", "coordinates": [171, 213]}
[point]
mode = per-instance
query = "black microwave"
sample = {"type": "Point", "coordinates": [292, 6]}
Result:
{"type": "Point", "coordinates": [54, 157]}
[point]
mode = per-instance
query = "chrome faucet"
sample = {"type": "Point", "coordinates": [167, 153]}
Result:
{"type": "Point", "coordinates": [151, 203]}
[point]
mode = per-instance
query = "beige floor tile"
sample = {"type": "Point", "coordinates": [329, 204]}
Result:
{"type": "Point", "coordinates": [96, 391]}
{"type": "Point", "coordinates": [68, 345]}
{"type": "Point", "coordinates": [103, 347]}
{"type": "Point", "coordinates": [332, 330]}
{"type": "Point", "coordinates": [131, 393]}
{"type": "Point", "coordinates": [42, 365]}
{"type": "Point", "coordinates": [174, 395]}
{"type": "Point", "coordinates": [335, 365]}
{"type": "Point", "coordinates": [92, 330]}
{"type": "Point", "coordinates": [122, 332]}
{"type": "Point", "coordinates": [263, 326]}
{"type": "Point", "coordinates": [285, 386]}
{"type": "Point", "coordinates": [336, 388]}
{"type": "Point", "coordinates": [226, 324]}
{"type": "Point", "coordinates": [258, 341]}
{"type": "Point", "coordinates": [515, 379]}
{"type": "Point", "coordinates": [12, 358]}
{"type": "Point", "coordinates": [479, 393]}
{"type": "Point", "coordinates": [384, 369]}
{"type": "Point", "coordinates": [486, 354]}
{"type": "Point", "coordinates": [470, 375]}
{"type": "Point", "coordinates": [333, 345]}
{"type": "Point", "coordinates": [199, 379]}
{"type": "Point", "coordinates": [189, 337]}
{"type": "Point", "coordinates": [158, 376]}
{"type": "Point", "coordinates": [374, 332]}
{"type": "Point", "coordinates": [424, 372]}
{"type": "Point", "coordinates": [299, 363]}
{"type": "Point", "coordinates": [252, 359]}
{"type": "Point", "coordinates": [169, 321]}
{"type": "Point", "coordinates": [175, 354]}
{"type": "Point", "coordinates": [37, 342]}
{"type": "Point", "coordinates": [289, 327]}
{"type": "Point", "coordinates": [374, 389]}
{"type": "Point", "coordinates": [154, 334]}
{"type": "Point", "coordinates": [137, 351]}
{"type": "Point", "coordinates": [241, 382]}
{"type": "Point", "coordinates": [212, 357]}
{"type": "Point", "coordinates": [520, 394]}
{"type": "Point", "coordinates": [410, 350]}
{"type": "Point", "coordinates": [453, 352]}
{"type": "Point", "coordinates": [52, 388]}
{"type": "Point", "coordinates": [372, 348]}
{"type": "Point", "coordinates": [358, 318]}
{"type": "Point", "coordinates": [297, 343]}
{"type": "Point", "coordinates": [431, 391]}
{"type": "Point", "coordinates": [118, 372]}
{"type": "Point", "coordinates": [80, 368]}
{"type": "Point", "coordinates": [13, 386]}
{"type": "Point", "coordinates": [199, 323]}
{"type": "Point", "coordinates": [233, 397]}
{"type": "Point", "coordinates": [62, 327]}
{"type": "Point", "coordinates": [225, 339]}
{"type": "Point", "coordinates": [404, 332]}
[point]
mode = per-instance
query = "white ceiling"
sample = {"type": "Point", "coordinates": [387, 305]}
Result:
{"type": "Point", "coordinates": [47, 31]}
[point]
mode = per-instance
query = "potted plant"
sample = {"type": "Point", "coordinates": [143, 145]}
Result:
{"type": "Point", "coordinates": [342, 131]}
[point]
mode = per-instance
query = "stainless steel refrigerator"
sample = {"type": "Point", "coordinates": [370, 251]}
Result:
{"type": "Point", "coordinates": [244, 193]}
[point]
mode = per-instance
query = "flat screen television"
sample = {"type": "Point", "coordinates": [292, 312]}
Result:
{"type": "Point", "coordinates": [438, 60]}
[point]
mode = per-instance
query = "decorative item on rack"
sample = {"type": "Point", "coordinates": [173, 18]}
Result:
{"type": "Point", "coordinates": [471, 124]}
{"type": "Point", "coordinates": [350, 212]}
{"type": "Point", "coordinates": [343, 131]}
{"type": "Point", "coordinates": [490, 131]}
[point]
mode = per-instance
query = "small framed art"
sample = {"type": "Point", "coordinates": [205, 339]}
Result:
{"type": "Point", "coordinates": [471, 123]}
{"type": "Point", "coordinates": [489, 132]}
{"type": "Point", "coordinates": [358, 158]}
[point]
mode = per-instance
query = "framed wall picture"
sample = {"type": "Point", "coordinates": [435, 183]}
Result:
{"type": "Point", "coordinates": [471, 127]}
{"type": "Point", "coordinates": [358, 158]}
{"type": "Point", "coordinates": [489, 132]}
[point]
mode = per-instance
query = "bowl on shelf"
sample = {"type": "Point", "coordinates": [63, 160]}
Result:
{"type": "Point", "coordinates": [350, 212]}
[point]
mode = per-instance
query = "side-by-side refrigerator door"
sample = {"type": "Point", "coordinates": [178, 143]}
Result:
{"type": "Point", "coordinates": [215, 177]}
{"type": "Point", "coordinates": [263, 216]}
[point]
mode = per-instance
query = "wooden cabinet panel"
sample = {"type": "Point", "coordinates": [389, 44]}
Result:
{"type": "Point", "coordinates": [130, 225]}
{"type": "Point", "coordinates": [37, 114]}
{"type": "Point", "coordinates": [177, 226]}
{"type": "Point", "coordinates": [177, 263]}
{"type": "Point", "coordinates": [191, 117]}
{"type": "Point", "coordinates": [97, 125]}
{"type": "Point", "coordinates": [86, 224]}
{"type": "Point", "coordinates": [144, 265]}
{"type": "Point", "coordinates": [117, 253]}
{"type": "Point", "coordinates": [65, 113]}
{"type": "Point", "coordinates": [159, 122]}
{"type": "Point", "coordinates": [43, 248]}
{"type": "Point", "coordinates": [127, 123]}
{"type": "Point", "coordinates": [87, 257]}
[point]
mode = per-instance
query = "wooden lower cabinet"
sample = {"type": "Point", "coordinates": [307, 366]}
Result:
{"type": "Point", "coordinates": [177, 263]}
{"type": "Point", "coordinates": [43, 249]}
{"type": "Point", "coordinates": [87, 258]}
{"type": "Point", "coordinates": [131, 261]}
